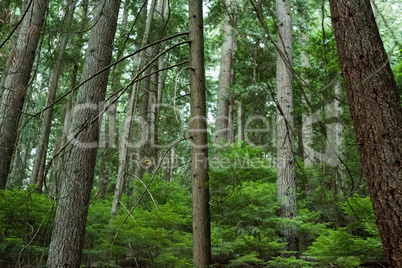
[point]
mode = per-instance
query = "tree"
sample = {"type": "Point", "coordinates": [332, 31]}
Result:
{"type": "Point", "coordinates": [41, 149]}
{"type": "Point", "coordinates": [222, 131]}
{"type": "Point", "coordinates": [307, 124]}
{"type": "Point", "coordinates": [199, 142]}
{"type": "Point", "coordinates": [376, 113]}
{"type": "Point", "coordinates": [72, 209]}
{"type": "Point", "coordinates": [14, 87]}
{"type": "Point", "coordinates": [125, 139]}
{"type": "Point", "coordinates": [286, 184]}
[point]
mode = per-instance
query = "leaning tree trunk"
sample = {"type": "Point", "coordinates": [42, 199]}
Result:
{"type": "Point", "coordinates": [110, 120]}
{"type": "Point", "coordinates": [72, 209]}
{"type": "Point", "coordinates": [286, 184]}
{"type": "Point", "coordinates": [222, 110]}
{"type": "Point", "coordinates": [15, 82]}
{"type": "Point", "coordinates": [199, 148]}
{"type": "Point", "coordinates": [41, 149]}
{"type": "Point", "coordinates": [376, 112]}
{"type": "Point", "coordinates": [125, 137]}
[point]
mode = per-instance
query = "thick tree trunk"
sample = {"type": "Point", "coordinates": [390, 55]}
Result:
{"type": "Point", "coordinates": [72, 209]}
{"type": "Point", "coordinates": [199, 149]}
{"type": "Point", "coordinates": [222, 110]}
{"type": "Point", "coordinates": [286, 184]}
{"type": "Point", "coordinates": [18, 73]}
{"type": "Point", "coordinates": [376, 112]}
{"type": "Point", "coordinates": [41, 149]}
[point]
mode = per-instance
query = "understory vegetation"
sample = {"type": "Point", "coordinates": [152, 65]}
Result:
{"type": "Point", "coordinates": [245, 225]}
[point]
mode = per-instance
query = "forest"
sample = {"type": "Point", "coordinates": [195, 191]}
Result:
{"type": "Point", "coordinates": [190, 133]}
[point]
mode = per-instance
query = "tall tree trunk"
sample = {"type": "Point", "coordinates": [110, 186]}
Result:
{"type": "Point", "coordinates": [124, 139]}
{"type": "Point", "coordinates": [222, 110]}
{"type": "Point", "coordinates": [307, 123]}
{"type": "Point", "coordinates": [58, 168]}
{"type": "Point", "coordinates": [199, 149]}
{"type": "Point", "coordinates": [376, 112]}
{"type": "Point", "coordinates": [286, 184]}
{"type": "Point", "coordinates": [143, 132]}
{"type": "Point", "coordinates": [339, 130]}
{"type": "Point", "coordinates": [18, 73]}
{"type": "Point", "coordinates": [72, 209]}
{"type": "Point", "coordinates": [110, 124]}
{"type": "Point", "coordinates": [240, 126]}
{"type": "Point", "coordinates": [41, 149]}
{"type": "Point", "coordinates": [144, 164]}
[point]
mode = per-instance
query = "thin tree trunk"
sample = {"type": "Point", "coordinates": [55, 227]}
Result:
{"type": "Point", "coordinates": [199, 150]}
{"type": "Point", "coordinates": [231, 118]}
{"type": "Point", "coordinates": [143, 129]}
{"type": "Point", "coordinates": [286, 184]}
{"type": "Point", "coordinates": [41, 149]}
{"type": "Point", "coordinates": [18, 73]}
{"type": "Point", "coordinates": [58, 168]}
{"type": "Point", "coordinates": [124, 140]}
{"type": "Point", "coordinates": [110, 125]}
{"type": "Point", "coordinates": [72, 209]}
{"type": "Point", "coordinates": [144, 164]}
{"type": "Point", "coordinates": [4, 5]}
{"type": "Point", "coordinates": [339, 130]}
{"type": "Point", "coordinates": [222, 110]}
{"type": "Point", "coordinates": [240, 127]}
{"type": "Point", "coordinates": [307, 124]}
{"type": "Point", "coordinates": [376, 112]}
{"type": "Point", "coordinates": [153, 102]}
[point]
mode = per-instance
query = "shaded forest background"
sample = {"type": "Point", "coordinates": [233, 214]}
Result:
{"type": "Point", "coordinates": [140, 208]}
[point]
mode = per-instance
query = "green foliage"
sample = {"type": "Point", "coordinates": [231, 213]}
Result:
{"type": "Point", "coordinates": [243, 206]}
{"type": "Point", "coordinates": [288, 262]}
{"type": "Point", "coordinates": [25, 224]}
{"type": "Point", "coordinates": [359, 210]}
{"type": "Point", "coordinates": [248, 260]}
{"type": "Point", "coordinates": [156, 234]}
{"type": "Point", "coordinates": [353, 245]}
{"type": "Point", "coordinates": [340, 248]}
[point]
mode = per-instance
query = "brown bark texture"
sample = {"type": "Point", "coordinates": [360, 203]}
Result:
{"type": "Point", "coordinates": [72, 208]}
{"type": "Point", "coordinates": [376, 112]}
{"type": "Point", "coordinates": [15, 82]}
{"type": "Point", "coordinates": [199, 150]}
{"type": "Point", "coordinates": [286, 183]}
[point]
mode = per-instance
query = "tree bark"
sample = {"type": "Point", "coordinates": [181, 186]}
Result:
{"type": "Point", "coordinates": [4, 5]}
{"type": "Point", "coordinates": [143, 128]}
{"type": "Point", "coordinates": [18, 73]}
{"type": "Point", "coordinates": [58, 168]}
{"type": "Point", "coordinates": [307, 124]}
{"type": "Point", "coordinates": [72, 209]}
{"type": "Point", "coordinates": [125, 137]}
{"type": "Point", "coordinates": [199, 148]}
{"type": "Point", "coordinates": [41, 149]}
{"type": "Point", "coordinates": [110, 124]}
{"type": "Point", "coordinates": [376, 113]}
{"type": "Point", "coordinates": [286, 184]}
{"type": "Point", "coordinates": [225, 76]}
